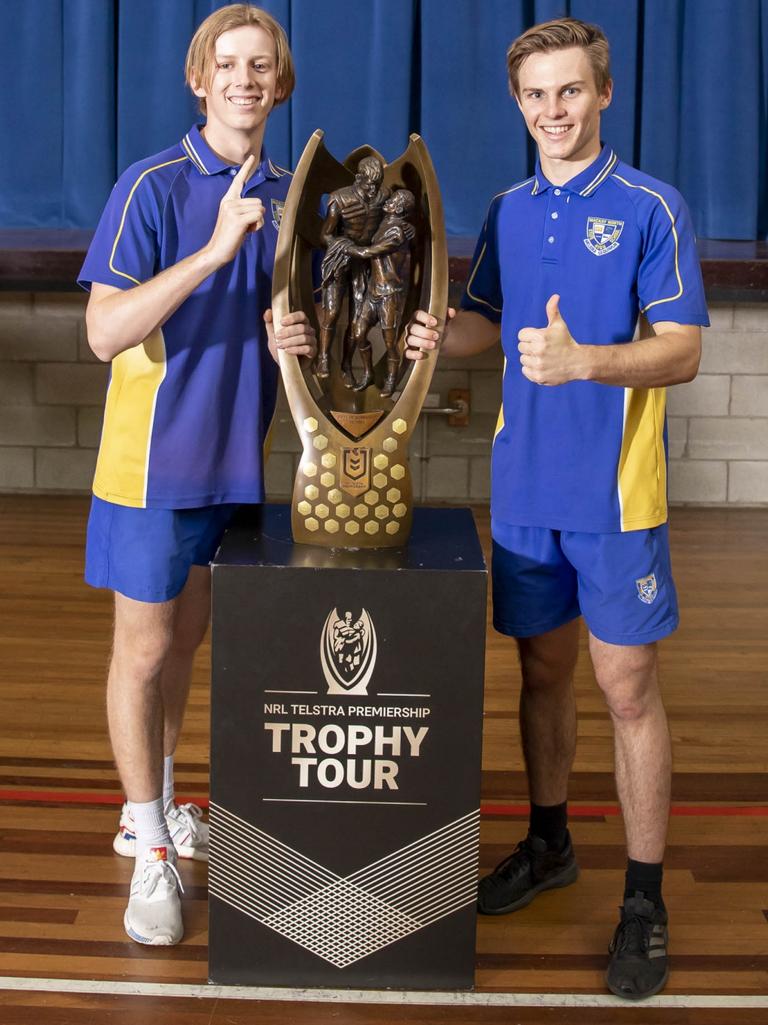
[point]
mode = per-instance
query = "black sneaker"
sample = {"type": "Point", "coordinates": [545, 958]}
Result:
{"type": "Point", "coordinates": [638, 965]}
{"type": "Point", "coordinates": [530, 869]}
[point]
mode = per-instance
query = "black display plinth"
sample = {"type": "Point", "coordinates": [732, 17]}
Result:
{"type": "Point", "coordinates": [345, 757]}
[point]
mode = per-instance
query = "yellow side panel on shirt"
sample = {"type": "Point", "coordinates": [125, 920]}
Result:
{"type": "Point", "coordinates": [123, 464]}
{"type": "Point", "coordinates": [500, 420]}
{"type": "Point", "coordinates": [642, 465]}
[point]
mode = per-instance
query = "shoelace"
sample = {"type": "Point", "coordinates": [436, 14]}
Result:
{"type": "Point", "coordinates": [515, 862]}
{"type": "Point", "coordinates": [153, 874]}
{"type": "Point", "coordinates": [632, 935]}
{"type": "Point", "coordinates": [189, 815]}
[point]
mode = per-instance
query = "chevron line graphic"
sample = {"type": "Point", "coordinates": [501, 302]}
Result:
{"type": "Point", "coordinates": [342, 919]}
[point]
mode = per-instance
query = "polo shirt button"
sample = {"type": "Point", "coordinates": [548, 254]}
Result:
{"type": "Point", "coordinates": [554, 215]}
{"type": "Point", "coordinates": [557, 192]}
{"type": "Point", "coordinates": [551, 238]}
{"type": "Point", "coordinates": [233, 171]}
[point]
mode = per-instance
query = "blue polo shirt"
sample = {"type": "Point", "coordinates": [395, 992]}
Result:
{"type": "Point", "coordinates": [613, 243]}
{"type": "Point", "coordinates": [188, 410]}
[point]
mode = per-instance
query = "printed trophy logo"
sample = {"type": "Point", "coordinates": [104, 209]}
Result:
{"type": "Point", "coordinates": [602, 235]}
{"type": "Point", "coordinates": [348, 649]}
{"type": "Point", "coordinates": [355, 474]}
{"type": "Point", "coordinates": [375, 232]}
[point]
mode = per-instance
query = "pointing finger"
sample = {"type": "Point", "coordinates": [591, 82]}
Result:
{"type": "Point", "coordinates": [238, 182]}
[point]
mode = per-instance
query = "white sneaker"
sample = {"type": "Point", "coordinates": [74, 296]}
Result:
{"type": "Point", "coordinates": [153, 914]}
{"type": "Point", "coordinates": [188, 832]}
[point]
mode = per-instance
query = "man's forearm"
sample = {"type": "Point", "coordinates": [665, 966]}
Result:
{"type": "Point", "coordinates": [656, 362]}
{"type": "Point", "coordinates": [551, 355]}
{"type": "Point", "coordinates": [123, 319]}
{"type": "Point", "coordinates": [119, 320]}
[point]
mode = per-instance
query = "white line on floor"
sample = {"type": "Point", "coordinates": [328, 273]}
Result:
{"type": "Point", "coordinates": [372, 996]}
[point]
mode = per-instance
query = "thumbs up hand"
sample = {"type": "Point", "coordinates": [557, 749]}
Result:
{"type": "Point", "coordinates": [549, 355]}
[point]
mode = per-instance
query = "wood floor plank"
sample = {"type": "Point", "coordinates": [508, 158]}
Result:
{"type": "Point", "coordinates": [25, 1008]}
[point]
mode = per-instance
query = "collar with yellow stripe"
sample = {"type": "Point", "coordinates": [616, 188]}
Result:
{"type": "Point", "coordinates": [584, 184]}
{"type": "Point", "coordinates": [207, 162]}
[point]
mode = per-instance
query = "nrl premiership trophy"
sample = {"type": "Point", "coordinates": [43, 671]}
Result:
{"type": "Point", "coordinates": [383, 250]}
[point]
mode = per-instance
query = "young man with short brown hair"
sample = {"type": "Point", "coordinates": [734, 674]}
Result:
{"type": "Point", "coordinates": [180, 274]}
{"type": "Point", "coordinates": [567, 263]}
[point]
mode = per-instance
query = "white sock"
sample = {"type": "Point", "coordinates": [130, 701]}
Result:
{"type": "Point", "coordinates": [168, 793]}
{"type": "Point", "coordinates": [151, 827]}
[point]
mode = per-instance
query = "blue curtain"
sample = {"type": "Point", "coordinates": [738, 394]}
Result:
{"type": "Point", "coordinates": [89, 86]}
{"type": "Point", "coordinates": [58, 130]}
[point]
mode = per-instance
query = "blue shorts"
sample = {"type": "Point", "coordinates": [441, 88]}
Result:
{"type": "Point", "coordinates": [621, 583]}
{"type": "Point", "coordinates": [146, 554]}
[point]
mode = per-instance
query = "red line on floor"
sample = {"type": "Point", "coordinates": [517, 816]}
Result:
{"type": "Point", "coordinates": [574, 810]}
{"type": "Point", "coordinates": [78, 797]}
{"type": "Point", "coordinates": [590, 810]}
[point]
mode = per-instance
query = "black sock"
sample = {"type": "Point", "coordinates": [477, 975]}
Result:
{"type": "Point", "coordinates": [550, 824]}
{"type": "Point", "coordinates": [646, 877]}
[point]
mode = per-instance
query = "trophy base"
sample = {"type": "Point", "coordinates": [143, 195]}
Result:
{"type": "Point", "coordinates": [345, 758]}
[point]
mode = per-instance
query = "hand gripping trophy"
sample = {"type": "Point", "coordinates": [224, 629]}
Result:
{"type": "Point", "coordinates": [382, 242]}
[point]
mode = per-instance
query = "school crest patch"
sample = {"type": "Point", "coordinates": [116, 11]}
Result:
{"type": "Point", "coordinates": [647, 589]}
{"type": "Point", "coordinates": [277, 212]}
{"type": "Point", "coordinates": [602, 235]}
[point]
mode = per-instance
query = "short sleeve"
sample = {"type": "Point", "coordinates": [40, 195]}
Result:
{"type": "Point", "coordinates": [669, 282]}
{"type": "Point", "coordinates": [124, 249]}
{"type": "Point", "coordinates": [483, 289]}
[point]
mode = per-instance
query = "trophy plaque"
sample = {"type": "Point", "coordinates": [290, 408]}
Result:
{"type": "Point", "coordinates": [379, 231]}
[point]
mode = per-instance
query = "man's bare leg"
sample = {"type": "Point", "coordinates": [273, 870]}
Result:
{"type": "Point", "coordinates": [638, 965]}
{"type": "Point", "coordinates": [629, 680]}
{"type": "Point", "coordinates": [142, 639]}
{"type": "Point", "coordinates": [548, 711]}
{"type": "Point", "coordinates": [142, 697]}
{"type": "Point", "coordinates": [148, 683]}
{"type": "Point", "coordinates": [548, 729]}
{"type": "Point", "coordinates": [191, 616]}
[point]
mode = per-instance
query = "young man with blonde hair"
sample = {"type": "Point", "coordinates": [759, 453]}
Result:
{"type": "Point", "coordinates": [566, 264]}
{"type": "Point", "coordinates": [180, 272]}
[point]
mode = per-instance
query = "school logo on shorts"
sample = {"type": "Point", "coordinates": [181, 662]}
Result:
{"type": "Point", "coordinates": [647, 589]}
{"type": "Point", "coordinates": [602, 235]}
{"type": "Point", "coordinates": [277, 212]}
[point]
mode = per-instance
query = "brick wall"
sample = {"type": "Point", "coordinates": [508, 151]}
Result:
{"type": "Point", "coordinates": [718, 424]}
{"type": "Point", "coordinates": [52, 391]}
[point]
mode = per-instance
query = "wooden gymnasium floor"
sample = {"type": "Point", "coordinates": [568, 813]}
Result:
{"type": "Point", "coordinates": [62, 890]}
